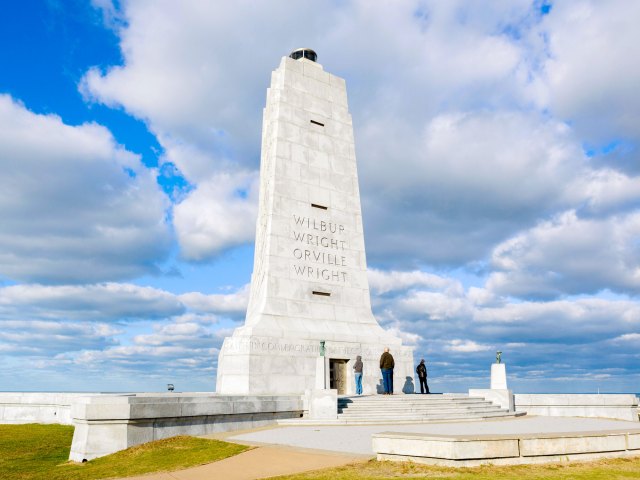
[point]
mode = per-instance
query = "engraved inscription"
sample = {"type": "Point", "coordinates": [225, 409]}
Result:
{"type": "Point", "coordinates": [319, 251]}
{"type": "Point", "coordinates": [238, 345]}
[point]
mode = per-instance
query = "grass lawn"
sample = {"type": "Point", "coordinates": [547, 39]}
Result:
{"type": "Point", "coordinates": [614, 469]}
{"type": "Point", "coordinates": [40, 452]}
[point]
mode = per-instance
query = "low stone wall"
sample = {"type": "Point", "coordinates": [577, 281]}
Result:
{"type": "Point", "coordinates": [31, 407]}
{"type": "Point", "coordinates": [616, 406]}
{"type": "Point", "coordinates": [109, 423]}
{"type": "Point", "coordinates": [471, 451]}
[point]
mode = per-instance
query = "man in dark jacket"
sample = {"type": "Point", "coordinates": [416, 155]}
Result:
{"type": "Point", "coordinates": [386, 367]}
{"type": "Point", "coordinates": [421, 370]}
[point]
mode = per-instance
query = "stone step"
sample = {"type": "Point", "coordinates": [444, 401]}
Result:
{"type": "Point", "coordinates": [451, 416]}
{"type": "Point", "coordinates": [391, 409]}
{"type": "Point", "coordinates": [443, 411]}
{"type": "Point", "coordinates": [407, 404]}
{"type": "Point", "coordinates": [392, 421]}
{"type": "Point", "coordinates": [425, 412]}
{"type": "Point", "coordinates": [400, 400]}
{"type": "Point", "coordinates": [421, 409]}
{"type": "Point", "coordinates": [412, 406]}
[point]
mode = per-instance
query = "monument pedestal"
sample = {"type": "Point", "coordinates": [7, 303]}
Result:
{"type": "Point", "coordinates": [270, 365]}
{"type": "Point", "coordinates": [498, 393]}
{"type": "Point", "coordinates": [498, 376]}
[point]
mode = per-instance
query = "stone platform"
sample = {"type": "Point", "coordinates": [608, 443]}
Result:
{"type": "Point", "coordinates": [505, 449]}
{"type": "Point", "coordinates": [506, 441]}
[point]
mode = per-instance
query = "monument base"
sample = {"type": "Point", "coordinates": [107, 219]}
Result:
{"type": "Point", "coordinates": [282, 366]}
{"type": "Point", "coordinates": [323, 404]}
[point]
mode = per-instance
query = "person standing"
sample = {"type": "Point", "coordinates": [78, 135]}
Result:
{"type": "Point", "coordinates": [357, 367]}
{"type": "Point", "coordinates": [421, 370]}
{"type": "Point", "coordinates": [386, 367]}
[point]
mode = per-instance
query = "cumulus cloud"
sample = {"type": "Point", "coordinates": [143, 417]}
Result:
{"type": "Point", "coordinates": [465, 346]}
{"type": "Point", "coordinates": [75, 206]}
{"type": "Point", "coordinates": [47, 338]}
{"type": "Point", "coordinates": [115, 301]}
{"type": "Point", "coordinates": [570, 255]}
{"type": "Point", "coordinates": [459, 331]}
{"type": "Point", "coordinates": [179, 70]}
{"type": "Point", "coordinates": [382, 281]}
{"type": "Point", "coordinates": [219, 214]}
{"type": "Point", "coordinates": [468, 181]}
{"type": "Point", "coordinates": [592, 79]}
{"type": "Point", "coordinates": [233, 303]}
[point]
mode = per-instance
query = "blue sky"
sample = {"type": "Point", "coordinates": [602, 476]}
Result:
{"type": "Point", "coordinates": [497, 148]}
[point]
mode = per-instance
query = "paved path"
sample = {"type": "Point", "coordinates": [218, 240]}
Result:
{"type": "Point", "coordinates": [356, 439]}
{"type": "Point", "coordinates": [261, 462]}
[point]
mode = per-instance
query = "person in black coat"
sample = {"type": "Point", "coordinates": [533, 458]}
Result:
{"type": "Point", "coordinates": [421, 370]}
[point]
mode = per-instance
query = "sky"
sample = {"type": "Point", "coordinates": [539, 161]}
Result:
{"type": "Point", "coordinates": [497, 149]}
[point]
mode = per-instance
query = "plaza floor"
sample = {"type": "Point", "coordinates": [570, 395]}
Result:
{"type": "Point", "coordinates": [357, 439]}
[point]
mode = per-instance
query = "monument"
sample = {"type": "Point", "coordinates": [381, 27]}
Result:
{"type": "Point", "coordinates": [309, 281]}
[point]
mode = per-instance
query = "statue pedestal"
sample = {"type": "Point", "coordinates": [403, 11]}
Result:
{"type": "Point", "coordinates": [498, 393]}
{"type": "Point", "coordinates": [498, 376]}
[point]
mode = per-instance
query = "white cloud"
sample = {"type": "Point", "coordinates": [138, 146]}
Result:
{"type": "Point", "coordinates": [382, 281]}
{"type": "Point", "coordinates": [109, 301]}
{"type": "Point", "coordinates": [47, 338]}
{"type": "Point", "coordinates": [466, 346]}
{"type": "Point", "coordinates": [464, 183]}
{"type": "Point", "coordinates": [591, 70]}
{"type": "Point", "coordinates": [117, 302]}
{"type": "Point", "coordinates": [191, 335]}
{"type": "Point", "coordinates": [408, 338]}
{"type": "Point", "coordinates": [235, 303]}
{"type": "Point", "coordinates": [570, 255]}
{"type": "Point", "coordinates": [196, 79]}
{"type": "Point", "coordinates": [75, 206]}
{"type": "Point", "coordinates": [220, 213]}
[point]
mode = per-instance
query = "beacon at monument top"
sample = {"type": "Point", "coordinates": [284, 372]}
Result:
{"type": "Point", "coordinates": [304, 53]}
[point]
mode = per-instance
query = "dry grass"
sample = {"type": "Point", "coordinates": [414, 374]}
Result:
{"type": "Point", "coordinates": [610, 469]}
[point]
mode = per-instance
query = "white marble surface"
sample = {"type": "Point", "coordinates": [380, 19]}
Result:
{"type": "Point", "coordinates": [109, 423]}
{"type": "Point", "coordinates": [308, 158]}
{"type": "Point", "coordinates": [618, 406]}
{"type": "Point", "coordinates": [498, 376]}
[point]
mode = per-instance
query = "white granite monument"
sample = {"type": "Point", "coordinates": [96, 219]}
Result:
{"type": "Point", "coordinates": [309, 281]}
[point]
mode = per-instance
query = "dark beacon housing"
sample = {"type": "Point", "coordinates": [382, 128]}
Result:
{"type": "Point", "coordinates": [304, 53]}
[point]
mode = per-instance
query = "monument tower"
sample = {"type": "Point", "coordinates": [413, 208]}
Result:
{"type": "Point", "coordinates": [309, 281]}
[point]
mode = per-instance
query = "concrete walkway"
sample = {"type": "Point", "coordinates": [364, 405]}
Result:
{"type": "Point", "coordinates": [260, 462]}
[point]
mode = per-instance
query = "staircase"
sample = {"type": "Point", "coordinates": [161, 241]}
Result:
{"type": "Point", "coordinates": [398, 409]}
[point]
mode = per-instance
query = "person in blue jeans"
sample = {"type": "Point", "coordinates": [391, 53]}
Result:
{"type": "Point", "coordinates": [386, 367]}
{"type": "Point", "coordinates": [357, 367]}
